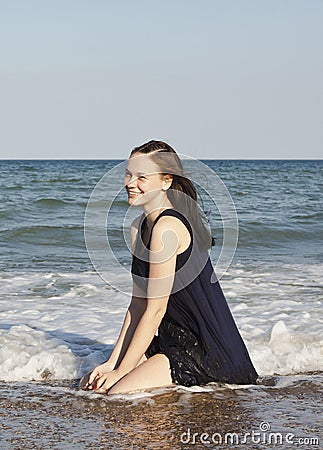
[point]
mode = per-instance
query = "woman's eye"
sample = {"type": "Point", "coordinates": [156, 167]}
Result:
{"type": "Point", "coordinates": [142, 177]}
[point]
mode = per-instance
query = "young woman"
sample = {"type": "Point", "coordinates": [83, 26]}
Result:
{"type": "Point", "coordinates": [175, 292]}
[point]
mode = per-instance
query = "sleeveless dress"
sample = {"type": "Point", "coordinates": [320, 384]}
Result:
{"type": "Point", "coordinates": [197, 333]}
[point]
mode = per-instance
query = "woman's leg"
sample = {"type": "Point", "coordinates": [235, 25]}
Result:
{"type": "Point", "coordinates": [154, 372]}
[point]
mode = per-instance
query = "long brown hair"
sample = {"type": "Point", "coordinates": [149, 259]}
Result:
{"type": "Point", "coordinates": [169, 163]}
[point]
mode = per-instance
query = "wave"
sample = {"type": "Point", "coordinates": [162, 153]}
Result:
{"type": "Point", "coordinates": [120, 203]}
{"type": "Point", "coordinates": [15, 187]}
{"type": "Point", "coordinates": [51, 202]}
{"type": "Point", "coordinates": [30, 354]}
{"type": "Point", "coordinates": [287, 353]}
{"type": "Point", "coordinates": [5, 214]}
{"type": "Point", "coordinates": [39, 231]}
{"type": "Point", "coordinates": [303, 218]}
{"type": "Point", "coordinates": [258, 231]}
{"type": "Point", "coordinates": [28, 168]}
{"type": "Point", "coordinates": [56, 180]}
{"type": "Point", "coordinates": [276, 307]}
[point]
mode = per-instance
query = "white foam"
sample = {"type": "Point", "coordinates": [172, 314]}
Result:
{"type": "Point", "coordinates": [28, 354]}
{"type": "Point", "coordinates": [64, 324]}
{"type": "Point", "coordinates": [287, 353]}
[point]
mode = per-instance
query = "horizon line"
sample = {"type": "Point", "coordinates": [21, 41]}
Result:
{"type": "Point", "coordinates": [123, 159]}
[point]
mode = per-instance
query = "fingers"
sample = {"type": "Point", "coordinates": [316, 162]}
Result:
{"type": "Point", "coordinates": [91, 379]}
{"type": "Point", "coordinates": [99, 382]}
{"type": "Point", "coordinates": [84, 381]}
{"type": "Point", "coordinates": [93, 376]}
{"type": "Point", "coordinates": [102, 384]}
{"type": "Point", "coordinates": [88, 381]}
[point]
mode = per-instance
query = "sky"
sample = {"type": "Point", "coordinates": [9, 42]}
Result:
{"type": "Point", "coordinates": [222, 79]}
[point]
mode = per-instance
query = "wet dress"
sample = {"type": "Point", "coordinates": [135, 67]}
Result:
{"type": "Point", "coordinates": [197, 333]}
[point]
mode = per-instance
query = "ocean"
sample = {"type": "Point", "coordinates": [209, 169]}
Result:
{"type": "Point", "coordinates": [65, 287]}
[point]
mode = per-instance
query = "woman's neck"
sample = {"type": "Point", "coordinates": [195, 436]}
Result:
{"type": "Point", "coordinates": [152, 213]}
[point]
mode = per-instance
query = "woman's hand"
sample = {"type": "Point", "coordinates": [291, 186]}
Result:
{"type": "Point", "coordinates": [103, 382]}
{"type": "Point", "coordinates": [88, 380]}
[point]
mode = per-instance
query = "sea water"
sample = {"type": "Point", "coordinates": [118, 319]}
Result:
{"type": "Point", "coordinates": [59, 318]}
{"type": "Point", "coordinates": [65, 291]}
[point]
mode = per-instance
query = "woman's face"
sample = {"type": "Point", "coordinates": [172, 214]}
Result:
{"type": "Point", "coordinates": [143, 181]}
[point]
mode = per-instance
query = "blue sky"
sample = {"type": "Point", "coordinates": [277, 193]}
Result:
{"type": "Point", "coordinates": [216, 79]}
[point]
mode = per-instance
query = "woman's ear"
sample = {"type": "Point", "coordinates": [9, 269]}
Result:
{"type": "Point", "coordinates": [167, 182]}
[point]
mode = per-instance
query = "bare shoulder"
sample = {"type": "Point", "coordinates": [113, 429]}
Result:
{"type": "Point", "coordinates": [170, 223]}
{"type": "Point", "coordinates": [175, 225]}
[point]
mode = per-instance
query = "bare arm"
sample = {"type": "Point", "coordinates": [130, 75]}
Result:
{"type": "Point", "coordinates": [161, 278]}
{"type": "Point", "coordinates": [133, 315]}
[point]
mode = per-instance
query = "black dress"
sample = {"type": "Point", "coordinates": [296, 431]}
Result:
{"type": "Point", "coordinates": [197, 333]}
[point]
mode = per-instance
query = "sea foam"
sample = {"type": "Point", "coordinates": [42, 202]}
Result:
{"type": "Point", "coordinates": [61, 325]}
{"type": "Point", "coordinates": [29, 354]}
{"type": "Point", "coordinates": [286, 353]}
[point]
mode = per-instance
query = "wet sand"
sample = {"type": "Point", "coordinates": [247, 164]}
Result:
{"type": "Point", "coordinates": [59, 416]}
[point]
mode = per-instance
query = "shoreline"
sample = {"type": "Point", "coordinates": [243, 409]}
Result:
{"type": "Point", "coordinates": [56, 415]}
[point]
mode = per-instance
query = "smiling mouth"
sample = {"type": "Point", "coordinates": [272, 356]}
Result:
{"type": "Point", "coordinates": [134, 194]}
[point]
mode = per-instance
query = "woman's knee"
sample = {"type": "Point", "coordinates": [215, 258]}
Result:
{"type": "Point", "coordinates": [154, 372]}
